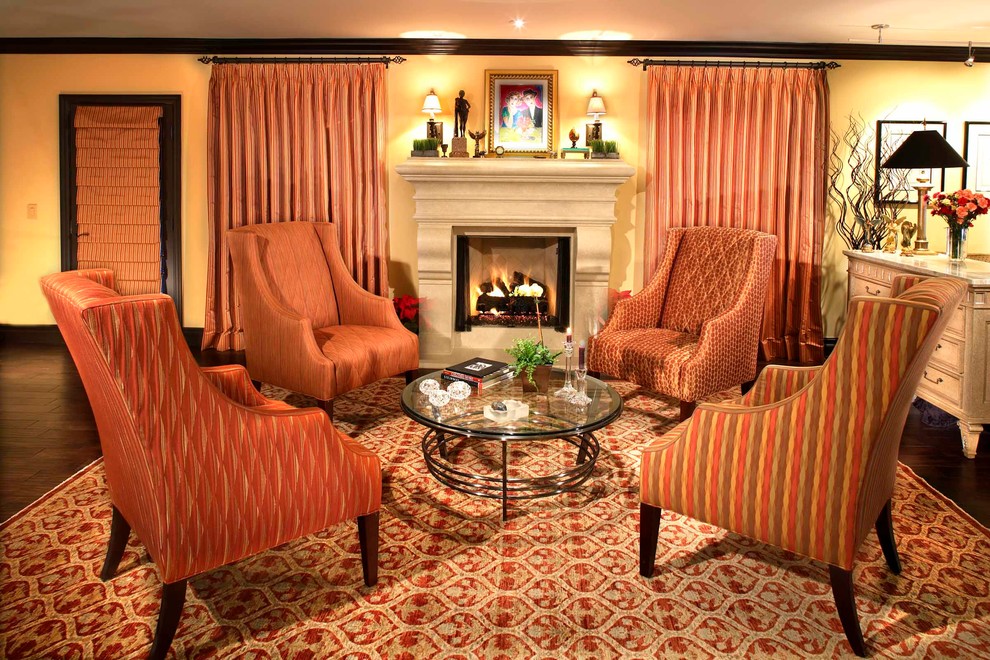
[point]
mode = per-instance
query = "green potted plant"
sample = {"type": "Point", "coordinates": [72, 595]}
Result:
{"type": "Point", "coordinates": [611, 149]}
{"type": "Point", "coordinates": [597, 148]}
{"type": "Point", "coordinates": [535, 360]}
{"type": "Point", "coordinates": [425, 148]}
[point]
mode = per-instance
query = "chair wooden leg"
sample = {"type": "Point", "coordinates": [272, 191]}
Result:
{"type": "Point", "coordinates": [368, 536]}
{"type": "Point", "coordinates": [173, 599]}
{"type": "Point", "coordinates": [687, 409]}
{"type": "Point", "coordinates": [885, 532]}
{"type": "Point", "coordinates": [327, 407]}
{"type": "Point", "coordinates": [845, 603]}
{"type": "Point", "coordinates": [120, 530]}
{"type": "Point", "coordinates": [649, 532]}
{"type": "Point", "coordinates": [412, 375]}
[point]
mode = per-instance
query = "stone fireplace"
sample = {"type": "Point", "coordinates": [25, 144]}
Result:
{"type": "Point", "coordinates": [500, 238]}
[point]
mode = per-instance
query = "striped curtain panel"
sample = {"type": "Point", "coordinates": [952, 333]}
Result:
{"type": "Point", "coordinates": [746, 147]}
{"type": "Point", "coordinates": [118, 194]}
{"type": "Point", "coordinates": [295, 142]}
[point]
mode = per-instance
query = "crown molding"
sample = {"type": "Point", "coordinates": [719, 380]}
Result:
{"type": "Point", "coordinates": [532, 47]}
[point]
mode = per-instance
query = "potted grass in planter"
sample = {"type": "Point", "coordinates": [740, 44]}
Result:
{"type": "Point", "coordinates": [597, 148]}
{"type": "Point", "coordinates": [425, 148]}
{"type": "Point", "coordinates": [611, 148]}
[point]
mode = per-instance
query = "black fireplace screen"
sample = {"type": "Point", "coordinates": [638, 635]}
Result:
{"type": "Point", "coordinates": [505, 280]}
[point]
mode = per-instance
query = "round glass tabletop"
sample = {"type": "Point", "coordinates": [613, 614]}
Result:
{"type": "Point", "coordinates": [548, 415]}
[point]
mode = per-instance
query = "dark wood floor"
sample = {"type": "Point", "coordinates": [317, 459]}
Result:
{"type": "Point", "coordinates": [47, 433]}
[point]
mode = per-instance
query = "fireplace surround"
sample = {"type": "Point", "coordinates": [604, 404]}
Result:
{"type": "Point", "coordinates": [515, 200]}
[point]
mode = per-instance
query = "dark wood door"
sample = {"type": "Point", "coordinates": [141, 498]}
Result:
{"type": "Point", "coordinates": [120, 189]}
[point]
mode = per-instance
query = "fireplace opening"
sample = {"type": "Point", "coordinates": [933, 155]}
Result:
{"type": "Point", "coordinates": [504, 281]}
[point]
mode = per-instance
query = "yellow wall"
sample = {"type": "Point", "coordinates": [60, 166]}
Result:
{"type": "Point", "coordinates": [30, 85]}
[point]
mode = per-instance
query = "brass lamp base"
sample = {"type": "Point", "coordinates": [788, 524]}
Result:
{"type": "Point", "coordinates": [921, 240]}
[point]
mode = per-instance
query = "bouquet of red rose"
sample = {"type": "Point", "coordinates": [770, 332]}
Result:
{"type": "Point", "coordinates": [959, 208]}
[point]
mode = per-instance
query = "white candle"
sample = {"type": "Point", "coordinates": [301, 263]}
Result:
{"type": "Point", "coordinates": [570, 337]}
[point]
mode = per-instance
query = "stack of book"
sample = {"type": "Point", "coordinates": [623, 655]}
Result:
{"type": "Point", "coordinates": [480, 373]}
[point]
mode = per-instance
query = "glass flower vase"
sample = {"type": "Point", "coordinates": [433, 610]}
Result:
{"type": "Point", "coordinates": [955, 242]}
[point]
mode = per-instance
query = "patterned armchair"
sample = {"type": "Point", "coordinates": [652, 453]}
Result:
{"type": "Point", "coordinates": [806, 460]}
{"type": "Point", "coordinates": [308, 326]}
{"type": "Point", "coordinates": [202, 467]}
{"type": "Point", "coordinates": [694, 329]}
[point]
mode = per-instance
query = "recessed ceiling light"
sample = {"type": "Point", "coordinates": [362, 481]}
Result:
{"type": "Point", "coordinates": [518, 23]}
{"type": "Point", "coordinates": [431, 34]}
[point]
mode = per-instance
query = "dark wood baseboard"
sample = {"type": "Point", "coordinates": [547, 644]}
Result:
{"type": "Point", "coordinates": [49, 335]}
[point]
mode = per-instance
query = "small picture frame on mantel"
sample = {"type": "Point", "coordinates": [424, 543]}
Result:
{"type": "Point", "coordinates": [522, 109]}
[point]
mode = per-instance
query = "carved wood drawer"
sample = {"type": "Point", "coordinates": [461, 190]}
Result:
{"type": "Point", "coordinates": [863, 287]}
{"type": "Point", "coordinates": [941, 385]}
{"type": "Point", "coordinates": [949, 354]}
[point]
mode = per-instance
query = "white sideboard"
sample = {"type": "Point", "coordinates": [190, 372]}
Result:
{"type": "Point", "coordinates": [957, 379]}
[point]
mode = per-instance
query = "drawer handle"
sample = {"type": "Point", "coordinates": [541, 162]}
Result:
{"type": "Point", "coordinates": [936, 381]}
{"type": "Point", "coordinates": [873, 293]}
{"type": "Point", "coordinates": [938, 347]}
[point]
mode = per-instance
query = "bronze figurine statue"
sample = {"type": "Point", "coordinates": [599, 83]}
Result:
{"type": "Point", "coordinates": [478, 136]}
{"type": "Point", "coordinates": [461, 108]}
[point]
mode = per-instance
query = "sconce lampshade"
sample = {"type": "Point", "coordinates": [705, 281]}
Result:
{"type": "Point", "coordinates": [596, 105]}
{"type": "Point", "coordinates": [431, 104]}
{"type": "Point", "coordinates": [924, 150]}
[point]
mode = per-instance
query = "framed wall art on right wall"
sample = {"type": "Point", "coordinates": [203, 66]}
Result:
{"type": "Point", "coordinates": [976, 152]}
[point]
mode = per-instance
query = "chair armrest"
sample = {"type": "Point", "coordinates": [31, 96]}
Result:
{"type": "Point", "coordinates": [235, 383]}
{"type": "Point", "coordinates": [777, 382]}
{"type": "Point", "coordinates": [103, 276]}
{"type": "Point", "coordinates": [270, 477]}
{"type": "Point", "coordinates": [355, 304]}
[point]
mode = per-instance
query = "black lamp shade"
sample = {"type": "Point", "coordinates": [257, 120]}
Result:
{"type": "Point", "coordinates": [924, 150]}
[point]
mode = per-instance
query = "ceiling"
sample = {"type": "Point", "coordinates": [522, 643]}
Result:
{"type": "Point", "coordinates": [830, 21]}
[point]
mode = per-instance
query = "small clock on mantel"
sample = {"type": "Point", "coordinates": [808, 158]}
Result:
{"type": "Point", "coordinates": [499, 151]}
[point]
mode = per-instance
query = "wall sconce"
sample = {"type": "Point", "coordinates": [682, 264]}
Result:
{"type": "Point", "coordinates": [434, 129]}
{"type": "Point", "coordinates": [596, 107]}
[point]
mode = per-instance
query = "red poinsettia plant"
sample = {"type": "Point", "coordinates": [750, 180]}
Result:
{"type": "Point", "coordinates": [959, 208]}
{"type": "Point", "coordinates": [407, 307]}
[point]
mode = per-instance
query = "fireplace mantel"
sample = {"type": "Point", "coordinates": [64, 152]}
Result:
{"type": "Point", "coordinates": [509, 197]}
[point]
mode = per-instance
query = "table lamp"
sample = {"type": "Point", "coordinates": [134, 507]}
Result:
{"type": "Point", "coordinates": [925, 149]}
{"type": "Point", "coordinates": [596, 107]}
{"type": "Point", "coordinates": [434, 129]}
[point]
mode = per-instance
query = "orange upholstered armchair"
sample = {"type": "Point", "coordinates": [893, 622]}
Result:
{"type": "Point", "coordinates": [694, 329]}
{"type": "Point", "coordinates": [203, 468]}
{"type": "Point", "coordinates": [806, 460]}
{"type": "Point", "coordinates": [308, 326]}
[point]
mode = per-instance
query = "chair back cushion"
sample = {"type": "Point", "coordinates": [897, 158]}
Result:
{"type": "Point", "coordinates": [707, 276]}
{"type": "Point", "coordinates": [294, 265]}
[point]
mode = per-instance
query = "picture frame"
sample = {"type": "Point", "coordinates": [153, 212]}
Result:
{"type": "Point", "coordinates": [890, 134]}
{"type": "Point", "coordinates": [522, 108]}
{"type": "Point", "coordinates": [976, 152]}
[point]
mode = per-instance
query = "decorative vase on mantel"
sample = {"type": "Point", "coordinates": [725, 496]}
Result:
{"type": "Point", "coordinates": [955, 242]}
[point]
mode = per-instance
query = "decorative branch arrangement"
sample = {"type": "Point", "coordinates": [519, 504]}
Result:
{"type": "Point", "coordinates": [861, 221]}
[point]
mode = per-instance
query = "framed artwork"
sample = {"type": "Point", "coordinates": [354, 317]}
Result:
{"type": "Point", "coordinates": [976, 152]}
{"type": "Point", "coordinates": [894, 188]}
{"type": "Point", "coordinates": [521, 111]}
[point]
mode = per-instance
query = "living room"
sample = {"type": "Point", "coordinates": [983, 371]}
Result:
{"type": "Point", "coordinates": [436, 542]}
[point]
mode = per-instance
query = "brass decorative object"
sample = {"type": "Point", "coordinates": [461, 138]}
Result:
{"type": "Point", "coordinates": [573, 137]}
{"type": "Point", "coordinates": [908, 230]}
{"type": "Point", "coordinates": [478, 136]}
{"type": "Point", "coordinates": [890, 242]}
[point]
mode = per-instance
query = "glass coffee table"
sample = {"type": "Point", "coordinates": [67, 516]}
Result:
{"type": "Point", "coordinates": [464, 425]}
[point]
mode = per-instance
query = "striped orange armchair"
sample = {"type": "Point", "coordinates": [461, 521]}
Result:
{"type": "Point", "coordinates": [806, 460]}
{"type": "Point", "coordinates": [308, 326]}
{"type": "Point", "coordinates": [694, 330]}
{"type": "Point", "coordinates": [202, 467]}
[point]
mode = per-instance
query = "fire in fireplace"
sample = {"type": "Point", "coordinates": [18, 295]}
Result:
{"type": "Point", "coordinates": [506, 280]}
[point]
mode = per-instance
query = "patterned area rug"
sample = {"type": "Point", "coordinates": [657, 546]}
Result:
{"type": "Point", "coordinates": [558, 580]}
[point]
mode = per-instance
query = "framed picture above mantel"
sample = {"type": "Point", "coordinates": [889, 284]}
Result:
{"type": "Point", "coordinates": [894, 188]}
{"type": "Point", "coordinates": [522, 109]}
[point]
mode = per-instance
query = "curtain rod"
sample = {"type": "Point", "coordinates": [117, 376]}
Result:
{"type": "Point", "coordinates": [398, 59]}
{"type": "Point", "coordinates": [736, 65]}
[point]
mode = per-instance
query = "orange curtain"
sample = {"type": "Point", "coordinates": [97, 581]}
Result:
{"type": "Point", "coordinates": [118, 213]}
{"type": "Point", "coordinates": [746, 147]}
{"type": "Point", "coordinates": [290, 142]}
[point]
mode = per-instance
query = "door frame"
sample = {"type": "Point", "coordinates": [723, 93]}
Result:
{"type": "Point", "coordinates": [170, 181]}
